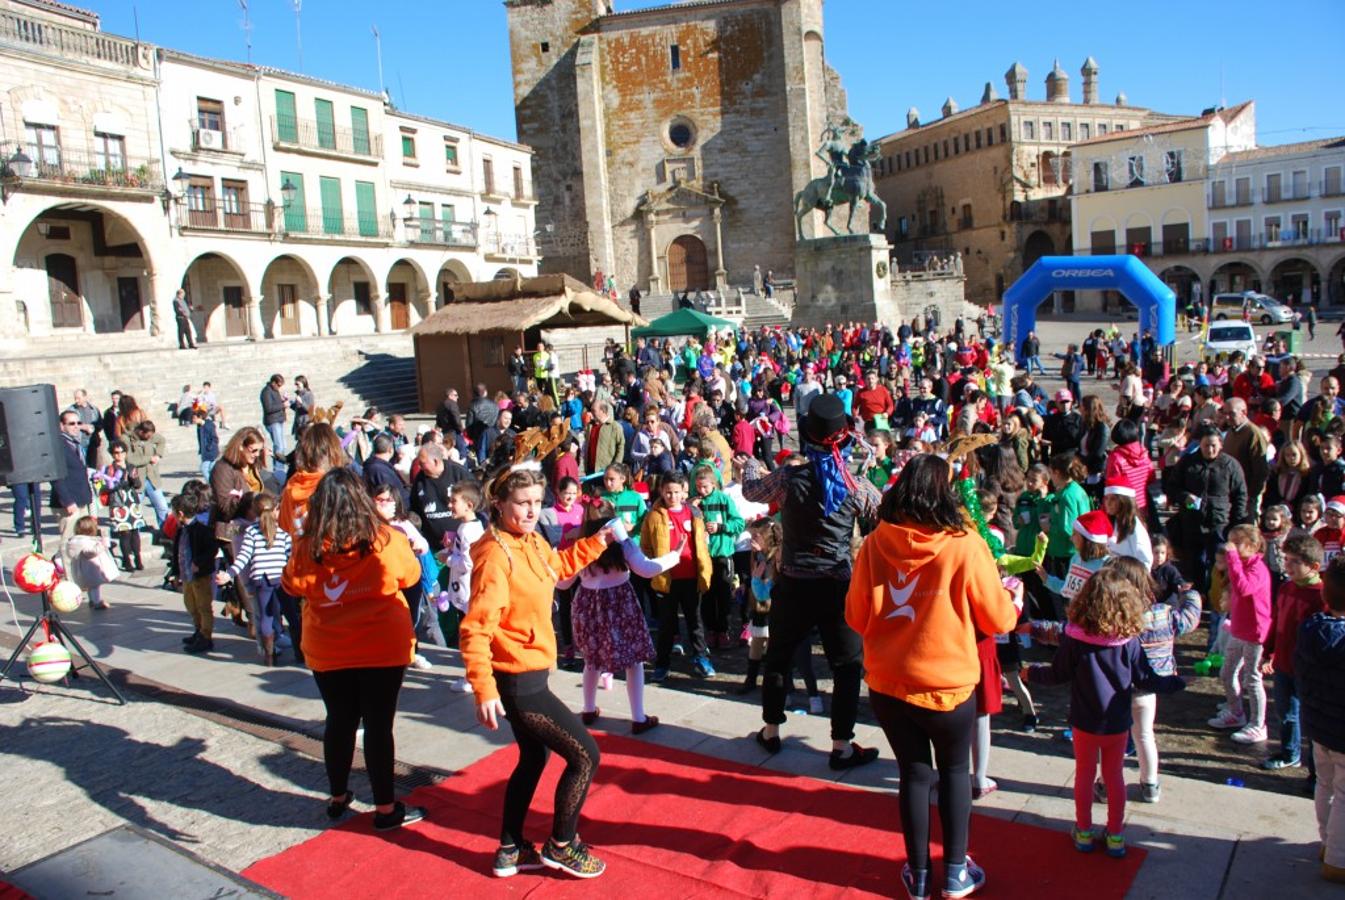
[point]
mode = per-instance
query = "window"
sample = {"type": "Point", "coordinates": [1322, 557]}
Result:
{"type": "Point", "coordinates": [990, 137]}
{"type": "Point", "coordinates": [681, 135]}
{"type": "Point", "coordinates": [1048, 131]}
{"type": "Point", "coordinates": [518, 183]}
{"type": "Point", "coordinates": [326, 120]}
{"type": "Point", "coordinates": [1331, 182]}
{"type": "Point", "coordinates": [908, 159]}
{"type": "Point", "coordinates": [1219, 236]}
{"type": "Point", "coordinates": [903, 226]}
{"type": "Point", "coordinates": [1103, 243]}
{"type": "Point", "coordinates": [1101, 177]}
{"type": "Point", "coordinates": [1332, 218]}
{"type": "Point", "coordinates": [287, 120]}
{"type": "Point", "coordinates": [1003, 134]}
{"type": "Point", "coordinates": [109, 152]}
{"type": "Point", "coordinates": [966, 143]}
{"type": "Point", "coordinates": [1274, 188]}
{"type": "Point", "coordinates": [366, 208]}
{"type": "Point", "coordinates": [1172, 166]}
{"type": "Point", "coordinates": [209, 114]}
{"type": "Point", "coordinates": [1135, 171]}
{"type": "Point", "coordinates": [1120, 126]}
{"type": "Point", "coordinates": [1272, 224]}
{"type": "Point", "coordinates": [966, 221]}
{"type": "Point", "coordinates": [450, 154]}
{"type": "Point", "coordinates": [448, 214]}
{"type": "Point", "coordinates": [1177, 238]}
{"type": "Point", "coordinates": [426, 217]}
{"type": "Point", "coordinates": [1066, 131]}
{"type": "Point", "coordinates": [675, 57]}
{"type": "Point", "coordinates": [933, 220]}
{"type": "Point", "coordinates": [546, 46]}
{"type": "Point", "coordinates": [359, 130]}
{"type": "Point", "coordinates": [978, 140]}
{"type": "Point", "coordinates": [201, 202]}
{"type": "Point", "coordinates": [1298, 225]}
{"type": "Point", "coordinates": [1085, 131]}
{"type": "Point", "coordinates": [43, 145]}
{"type": "Point", "coordinates": [333, 217]}
{"type": "Point", "coordinates": [1218, 194]}
{"type": "Point", "coordinates": [1029, 130]}
{"type": "Point", "coordinates": [1101, 128]}
{"type": "Point", "coordinates": [364, 302]}
{"type": "Point", "coordinates": [408, 146]}
{"type": "Point", "coordinates": [1242, 191]}
{"type": "Point", "coordinates": [296, 211]}
{"type": "Point", "coordinates": [488, 175]}
{"type": "Point", "coordinates": [1299, 185]}
{"type": "Point", "coordinates": [927, 154]}
{"type": "Point", "coordinates": [234, 197]}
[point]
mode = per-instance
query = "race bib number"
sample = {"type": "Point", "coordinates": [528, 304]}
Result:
{"type": "Point", "coordinates": [1329, 550]}
{"type": "Point", "coordinates": [1074, 580]}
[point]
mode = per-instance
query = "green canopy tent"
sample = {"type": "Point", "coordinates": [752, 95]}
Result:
{"type": "Point", "coordinates": [682, 321]}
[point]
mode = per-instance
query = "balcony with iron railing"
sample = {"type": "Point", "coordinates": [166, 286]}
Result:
{"type": "Point", "coordinates": [247, 218]}
{"type": "Point", "coordinates": [442, 234]}
{"type": "Point", "coordinates": [320, 139]}
{"type": "Point", "coordinates": [43, 36]}
{"type": "Point", "coordinates": [1331, 188]}
{"type": "Point", "coordinates": [1228, 244]}
{"type": "Point", "coordinates": [1233, 200]}
{"type": "Point", "coordinates": [319, 224]}
{"type": "Point", "coordinates": [498, 245]}
{"type": "Point", "coordinates": [59, 169]}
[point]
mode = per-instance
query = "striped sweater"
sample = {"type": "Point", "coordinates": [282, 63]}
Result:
{"type": "Point", "coordinates": [262, 563]}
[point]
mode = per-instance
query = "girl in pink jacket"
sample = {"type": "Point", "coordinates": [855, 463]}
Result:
{"type": "Point", "coordinates": [1249, 622]}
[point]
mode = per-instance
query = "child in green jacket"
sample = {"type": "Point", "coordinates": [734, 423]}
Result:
{"type": "Point", "coordinates": [628, 505]}
{"type": "Point", "coordinates": [723, 524]}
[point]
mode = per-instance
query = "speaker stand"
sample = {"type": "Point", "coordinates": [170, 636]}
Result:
{"type": "Point", "coordinates": [50, 621]}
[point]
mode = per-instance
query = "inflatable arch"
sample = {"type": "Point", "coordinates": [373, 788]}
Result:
{"type": "Point", "coordinates": [1156, 301]}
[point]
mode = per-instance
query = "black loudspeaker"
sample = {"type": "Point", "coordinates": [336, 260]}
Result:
{"type": "Point", "coordinates": [30, 435]}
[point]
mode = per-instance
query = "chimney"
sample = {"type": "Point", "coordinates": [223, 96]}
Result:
{"type": "Point", "coordinates": [912, 118]}
{"type": "Point", "coordinates": [1090, 86]}
{"type": "Point", "coordinates": [1057, 85]}
{"type": "Point", "coordinates": [989, 95]}
{"type": "Point", "coordinates": [1122, 99]}
{"type": "Point", "coordinates": [1016, 79]}
{"type": "Point", "coordinates": [949, 107]}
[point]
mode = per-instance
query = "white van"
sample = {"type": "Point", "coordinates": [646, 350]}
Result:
{"type": "Point", "coordinates": [1266, 310]}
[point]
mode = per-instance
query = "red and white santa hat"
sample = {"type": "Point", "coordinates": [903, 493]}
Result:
{"type": "Point", "coordinates": [1094, 526]}
{"type": "Point", "coordinates": [1336, 504]}
{"type": "Point", "coordinates": [1118, 487]}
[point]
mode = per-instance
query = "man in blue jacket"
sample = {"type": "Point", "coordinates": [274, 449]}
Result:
{"type": "Point", "coordinates": [70, 495]}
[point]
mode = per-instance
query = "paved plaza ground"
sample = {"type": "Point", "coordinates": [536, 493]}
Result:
{"type": "Point", "coordinates": [215, 753]}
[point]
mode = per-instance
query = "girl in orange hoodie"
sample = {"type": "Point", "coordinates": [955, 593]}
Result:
{"type": "Point", "coordinates": [508, 646]}
{"type": "Point", "coordinates": [924, 587]}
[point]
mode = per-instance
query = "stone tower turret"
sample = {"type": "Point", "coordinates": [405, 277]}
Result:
{"type": "Point", "coordinates": [1016, 79]}
{"type": "Point", "coordinates": [1090, 86]}
{"type": "Point", "coordinates": [912, 118]}
{"type": "Point", "coordinates": [949, 107]}
{"type": "Point", "coordinates": [989, 95]}
{"type": "Point", "coordinates": [1057, 85]}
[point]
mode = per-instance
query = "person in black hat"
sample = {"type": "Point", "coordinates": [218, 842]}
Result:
{"type": "Point", "coordinates": [819, 502]}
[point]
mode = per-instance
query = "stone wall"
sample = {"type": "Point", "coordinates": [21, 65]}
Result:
{"type": "Point", "coordinates": [581, 348]}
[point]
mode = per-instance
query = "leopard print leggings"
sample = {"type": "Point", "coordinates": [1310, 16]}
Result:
{"type": "Point", "coordinates": [542, 723]}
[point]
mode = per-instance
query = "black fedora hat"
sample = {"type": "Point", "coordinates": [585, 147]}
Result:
{"type": "Point", "coordinates": [826, 418]}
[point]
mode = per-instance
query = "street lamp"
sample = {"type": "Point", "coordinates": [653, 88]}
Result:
{"type": "Point", "coordinates": [490, 220]}
{"type": "Point", "coordinates": [180, 182]}
{"type": "Point", "coordinates": [409, 204]}
{"type": "Point", "coordinates": [16, 168]}
{"type": "Point", "coordinates": [288, 192]}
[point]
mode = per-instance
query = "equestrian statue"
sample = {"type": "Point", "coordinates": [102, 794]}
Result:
{"type": "Point", "coordinates": [849, 179]}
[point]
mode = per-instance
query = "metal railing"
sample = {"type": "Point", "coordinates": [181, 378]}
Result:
{"type": "Point", "coordinates": [1227, 202]}
{"type": "Point", "coordinates": [510, 246]}
{"type": "Point", "coordinates": [61, 165]}
{"type": "Point", "coordinates": [319, 223]}
{"type": "Point", "coordinates": [1327, 189]}
{"type": "Point", "coordinates": [310, 135]}
{"type": "Point", "coordinates": [448, 234]}
{"type": "Point", "coordinates": [1229, 244]}
{"type": "Point", "coordinates": [253, 218]}
{"type": "Point", "coordinates": [76, 43]}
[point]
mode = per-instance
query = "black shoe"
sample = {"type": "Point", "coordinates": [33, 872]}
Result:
{"type": "Point", "coordinates": [192, 638]}
{"type": "Point", "coordinates": [772, 745]}
{"type": "Point", "coordinates": [202, 644]}
{"type": "Point", "coordinates": [859, 756]}
{"type": "Point", "coordinates": [336, 809]}
{"type": "Point", "coordinates": [401, 815]}
{"type": "Point", "coordinates": [1029, 724]}
{"type": "Point", "coordinates": [746, 687]}
{"type": "Point", "coordinates": [139, 564]}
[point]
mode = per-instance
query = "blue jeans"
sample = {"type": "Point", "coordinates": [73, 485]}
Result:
{"type": "Point", "coordinates": [1035, 361]}
{"type": "Point", "coordinates": [277, 432]}
{"type": "Point", "coordinates": [156, 500]}
{"type": "Point", "coordinates": [27, 498]}
{"type": "Point", "coordinates": [1286, 707]}
{"type": "Point", "coordinates": [206, 466]}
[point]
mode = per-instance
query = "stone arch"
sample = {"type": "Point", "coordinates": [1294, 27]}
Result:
{"type": "Point", "coordinates": [220, 295]}
{"type": "Point", "coordinates": [688, 264]}
{"type": "Point", "coordinates": [1235, 275]}
{"type": "Point", "coordinates": [83, 267]}
{"type": "Point", "coordinates": [1180, 279]}
{"type": "Point", "coordinates": [290, 298]}
{"type": "Point", "coordinates": [408, 294]}
{"type": "Point", "coordinates": [1290, 276]}
{"type": "Point", "coordinates": [356, 297]}
{"type": "Point", "coordinates": [1037, 245]}
{"type": "Point", "coordinates": [506, 272]}
{"type": "Point", "coordinates": [1334, 291]}
{"type": "Point", "coordinates": [451, 273]}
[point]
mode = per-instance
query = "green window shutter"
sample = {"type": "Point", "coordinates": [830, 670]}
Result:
{"type": "Point", "coordinates": [287, 121]}
{"type": "Point", "coordinates": [296, 214]}
{"type": "Point", "coordinates": [326, 124]}
{"type": "Point", "coordinates": [451, 155]}
{"type": "Point", "coordinates": [366, 208]}
{"type": "Point", "coordinates": [333, 221]}
{"type": "Point", "coordinates": [408, 147]}
{"type": "Point", "coordinates": [359, 127]}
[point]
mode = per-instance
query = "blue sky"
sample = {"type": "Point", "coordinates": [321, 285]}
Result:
{"type": "Point", "coordinates": [450, 58]}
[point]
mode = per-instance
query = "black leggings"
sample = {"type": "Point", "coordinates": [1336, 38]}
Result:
{"type": "Point", "coordinates": [129, 543]}
{"type": "Point", "coordinates": [351, 695]}
{"type": "Point", "coordinates": [910, 730]}
{"type": "Point", "coordinates": [542, 723]}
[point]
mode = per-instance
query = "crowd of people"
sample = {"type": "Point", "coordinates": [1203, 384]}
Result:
{"type": "Point", "coordinates": [914, 499]}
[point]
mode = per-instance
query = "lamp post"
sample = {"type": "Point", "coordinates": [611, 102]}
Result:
{"type": "Point", "coordinates": [409, 204]}
{"type": "Point", "coordinates": [288, 192]}
{"type": "Point", "coordinates": [180, 181]}
{"type": "Point", "coordinates": [490, 219]}
{"type": "Point", "coordinates": [16, 168]}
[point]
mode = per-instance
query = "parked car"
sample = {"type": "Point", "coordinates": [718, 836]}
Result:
{"type": "Point", "coordinates": [1225, 338]}
{"type": "Point", "coordinates": [1264, 309]}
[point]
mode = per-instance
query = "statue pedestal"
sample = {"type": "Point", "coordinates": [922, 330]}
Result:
{"type": "Point", "coordinates": [841, 278]}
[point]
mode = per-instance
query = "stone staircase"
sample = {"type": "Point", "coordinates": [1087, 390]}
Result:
{"type": "Point", "coordinates": [358, 370]}
{"type": "Point", "coordinates": [757, 310]}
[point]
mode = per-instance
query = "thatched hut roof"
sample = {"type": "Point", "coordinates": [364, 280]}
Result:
{"type": "Point", "coordinates": [517, 304]}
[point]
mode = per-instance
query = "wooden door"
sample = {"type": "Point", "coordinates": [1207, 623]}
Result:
{"type": "Point", "coordinates": [235, 312]}
{"type": "Point", "coordinates": [128, 295]}
{"type": "Point", "coordinates": [401, 310]}
{"type": "Point", "coordinates": [288, 300]}
{"type": "Point", "coordinates": [687, 267]}
{"type": "Point", "coordinates": [67, 308]}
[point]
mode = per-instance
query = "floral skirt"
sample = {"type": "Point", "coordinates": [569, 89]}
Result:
{"type": "Point", "coordinates": [609, 628]}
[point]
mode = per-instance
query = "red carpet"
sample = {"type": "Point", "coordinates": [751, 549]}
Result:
{"type": "Point", "coordinates": [675, 824]}
{"type": "Point", "coordinates": [10, 892]}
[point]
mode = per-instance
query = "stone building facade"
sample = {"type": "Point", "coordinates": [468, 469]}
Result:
{"type": "Point", "coordinates": [669, 141]}
{"type": "Point", "coordinates": [991, 182]}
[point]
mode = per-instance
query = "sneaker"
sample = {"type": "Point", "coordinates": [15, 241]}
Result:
{"type": "Point", "coordinates": [1275, 763]}
{"type": "Point", "coordinates": [1083, 839]}
{"type": "Point", "coordinates": [963, 880]}
{"type": "Point", "coordinates": [460, 685]}
{"type": "Point", "coordinates": [859, 756]}
{"type": "Point", "coordinates": [1116, 845]}
{"type": "Point", "coordinates": [1067, 734]}
{"type": "Point", "coordinates": [1029, 724]}
{"type": "Point", "coordinates": [815, 706]}
{"type": "Point", "coordinates": [702, 667]}
{"type": "Point", "coordinates": [512, 860]}
{"type": "Point", "coordinates": [401, 815]}
{"type": "Point", "coordinates": [1099, 792]}
{"type": "Point", "coordinates": [679, 650]}
{"type": "Point", "coordinates": [1250, 734]}
{"type": "Point", "coordinates": [202, 644]}
{"type": "Point", "coordinates": [916, 882]}
{"type": "Point", "coordinates": [771, 744]}
{"type": "Point", "coordinates": [589, 716]}
{"type": "Point", "coordinates": [421, 663]}
{"type": "Point", "coordinates": [1227, 721]}
{"type": "Point", "coordinates": [192, 638]}
{"type": "Point", "coordinates": [649, 722]}
{"type": "Point", "coordinates": [990, 787]}
{"type": "Point", "coordinates": [656, 676]}
{"type": "Point", "coordinates": [573, 858]}
{"type": "Point", "coordinates": [1150, 793]}
{"type": "Point", "coordinates": [283, 641]}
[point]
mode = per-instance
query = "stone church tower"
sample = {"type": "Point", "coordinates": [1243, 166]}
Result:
{"type": "Point", "coordinates": [670, 141]}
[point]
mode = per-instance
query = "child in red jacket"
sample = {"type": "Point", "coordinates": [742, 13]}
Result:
{"type": "Point", "coordinates": [1298, 598]}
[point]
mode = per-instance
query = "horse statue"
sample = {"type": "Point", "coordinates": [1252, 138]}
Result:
{"type": "Point", "coordinates": [849, 179]}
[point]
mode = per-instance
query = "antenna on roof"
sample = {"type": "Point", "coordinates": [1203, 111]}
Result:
{"type": "Point", "coordinates": [378, 48]}
{"type": "Point", "coordinates": [247, 28]}
{"type": "Point", "coordinates": [298, 32]}
{"type": "Point", "coordinates": [135, 15]}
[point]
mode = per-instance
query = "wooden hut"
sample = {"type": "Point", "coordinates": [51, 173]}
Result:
{"type": "Point", "coordinates": [469, 340]}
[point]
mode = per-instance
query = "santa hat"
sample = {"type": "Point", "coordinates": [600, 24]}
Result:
{"type": "Point", "coordinates": [1094, 526]}
{"type": "Point", "coordinates": [1336, 505]}
{"type": "Point", "coordinates": [1118, 487]}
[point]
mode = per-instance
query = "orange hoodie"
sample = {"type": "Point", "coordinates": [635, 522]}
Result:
{"type": "Point", "coordinates": [919, 598]}
{"type": "Point", "coordinates": [355, 615]}
{"type": "Point", "coordinates": [294, 501]}
{"type": "Point", "coordinates": [508, 621]}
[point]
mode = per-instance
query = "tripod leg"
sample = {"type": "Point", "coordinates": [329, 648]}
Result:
{"type": "Point", "coordinates": [13, 657]}
{"type": "Point", "coordinates": [64, 634]}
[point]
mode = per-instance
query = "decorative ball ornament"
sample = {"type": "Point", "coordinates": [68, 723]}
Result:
{"type": "Point", "coordinates": [34, 573]}
{"type": "Point", "coordinates": [49, 662]}
{"type": "Point", "coordinates": [66, 597]}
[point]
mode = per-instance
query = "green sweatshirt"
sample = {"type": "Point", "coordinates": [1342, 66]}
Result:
{"type": "Point", "coordinates": [718, 506]}
{"type": "Point", "coordinates": [629, 506]}
{"type": "Point", "coordinates": [1070, 503]}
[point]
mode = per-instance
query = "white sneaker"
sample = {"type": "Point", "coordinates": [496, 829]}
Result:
{"type": "Point", "coordinates": [1250, 734]}
{"type": "Point", "coordinates": [1227, 720]}
{"type": "Point", "coordinates": [421, 663]}
{"type": "Point", "coordinates": [815, 706]}
{"type": "Point", "coordinates": [460, 685]}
